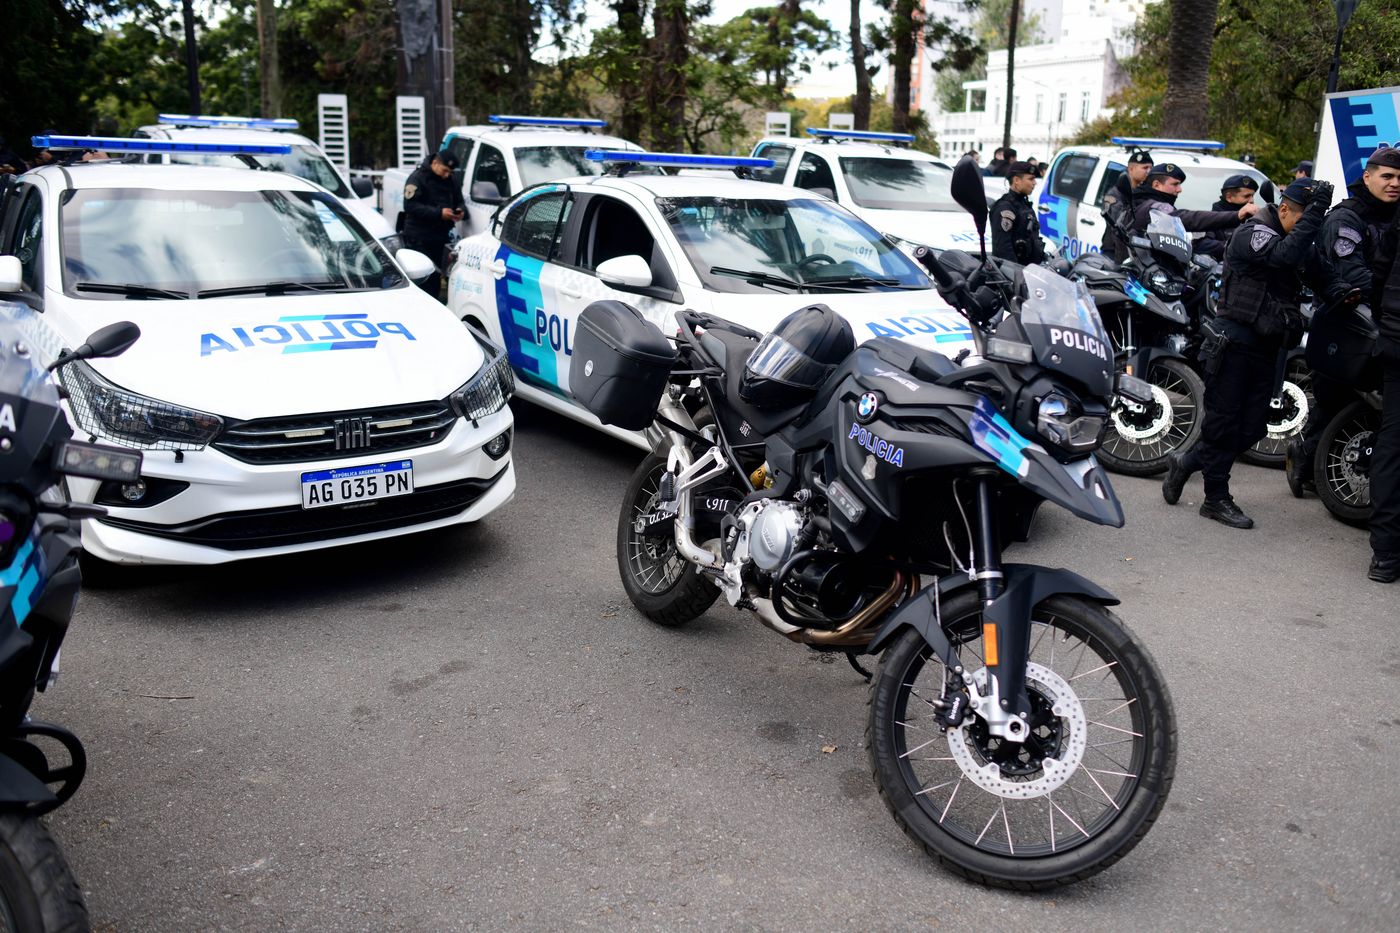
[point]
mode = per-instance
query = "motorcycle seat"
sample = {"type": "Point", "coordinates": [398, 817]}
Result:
{"type": "Point", "coordinates": [732, 350]}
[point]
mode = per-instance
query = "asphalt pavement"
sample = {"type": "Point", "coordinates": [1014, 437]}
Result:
{"type": "Point", "coordinates": [473, 729]}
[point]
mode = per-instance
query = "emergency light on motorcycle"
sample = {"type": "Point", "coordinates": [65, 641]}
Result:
{"type": "Point", "coordinates": [1009, 351]}
{"type": "Point", "coordinates": [120, 144]}
{"type": "Point", "coordinates": [1133, 388]}
{"type": "Point", "coordinates": [860, 135]}
{"type": "Point", "coordinates": [1139, 142]}
{"type": "Point", "coordinates": [503, 119]}
{"type": "Point", "coordinates": [619, 161]}
{"type": "Point", "coordinates": [226, 122]}
{"type": "Point", "coordinates": [97, 461]}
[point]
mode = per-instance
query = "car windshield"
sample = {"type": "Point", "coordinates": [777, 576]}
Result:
{"type": "Point", "coordinates": [303, 161]}
{"type": "Point", "coordinates": [120, 240]}
{"type": "Point", "coordinates": [1201, 189]}
{"type": "Point", "coordinates": [898, 184]}
{"type": "Point", "coordinates": [763, 245]}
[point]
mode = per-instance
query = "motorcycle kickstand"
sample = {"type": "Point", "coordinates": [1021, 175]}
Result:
{"type": "Point", "coordinates": [851, 656]}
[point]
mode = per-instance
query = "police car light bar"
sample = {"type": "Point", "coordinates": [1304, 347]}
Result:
{"type": "Point", "coordinates": [861, 134]}
{"type": "Point", "coordinates": [255, 123]}
{"type": "Point", "coordinates": [674, 159]}
{"type": "Point", "coordinates": [117, 144]}
{"type": "Point", "coordinates": [1144, 143]}
{"type": "Point", "coordinates": [508, 120]}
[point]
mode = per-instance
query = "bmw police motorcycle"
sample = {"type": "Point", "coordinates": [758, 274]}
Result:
{"type": "Point", "coordinates": [41, 765]}
{"type": "Point", "coordinates": [858, 500]}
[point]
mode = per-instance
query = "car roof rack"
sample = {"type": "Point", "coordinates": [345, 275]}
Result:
{"type": "Point", "coordinates": [1142, 142]}
{"type": "Point", "coordinates": [619, 162]}
{"type": "Point", "coordinates": [510, 122]}
{"type": "Point", "coordinates": [829, 135]}
{"type": "Point", "coordinates": [227, 122]}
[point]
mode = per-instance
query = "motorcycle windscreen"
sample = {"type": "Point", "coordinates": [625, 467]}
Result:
{"type": "Point", "coordinates": [1168, 237]}
{"type": "Point", "coordinates": [1066, 331]}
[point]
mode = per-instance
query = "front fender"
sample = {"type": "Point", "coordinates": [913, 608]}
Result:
{"type": "Point", "coordinates": [19, 788]}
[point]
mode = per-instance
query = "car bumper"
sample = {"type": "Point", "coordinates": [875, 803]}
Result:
{"type": "Point", "coordinates": [234, 510]}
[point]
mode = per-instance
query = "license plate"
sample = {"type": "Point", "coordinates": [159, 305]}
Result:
{"type": "Point", "coordinates": [356, 484]}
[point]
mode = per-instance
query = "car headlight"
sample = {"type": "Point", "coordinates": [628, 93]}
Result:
{"type": "Point", "coordinates": [393, 243]}
{"type": "Point", "coordinates": [1164, 285]}
{"type": "Point", "coordinates": [106, 410]}
{"type": "Point", "coordinates": [1063, 422]}
{"type": "Point", "coordinates": [491, 387]}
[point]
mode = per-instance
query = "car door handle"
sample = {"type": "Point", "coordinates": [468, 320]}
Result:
{"type": "Point", "coordinates": [1042, 208]}
{"type": "Point", "coordinates": [1086, 220]}
{"type": "Point", "coordinates": [498, 269]}
{"type": "Point", "coordinates": [570, 293]}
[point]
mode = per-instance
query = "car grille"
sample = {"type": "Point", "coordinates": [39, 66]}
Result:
{"type": "Point", "coordinates": [323, 436]}
{"type": "Point", "coordinates": [264, 528]}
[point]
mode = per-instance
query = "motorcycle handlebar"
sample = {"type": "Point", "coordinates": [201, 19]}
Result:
{"type": "Point", "coordinates": [925, 258]}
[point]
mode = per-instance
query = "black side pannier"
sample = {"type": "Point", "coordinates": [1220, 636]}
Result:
{"type": "Point", "coordinates": [620, 365]}
{"type": "Point", "coordinates": [1341, 343]}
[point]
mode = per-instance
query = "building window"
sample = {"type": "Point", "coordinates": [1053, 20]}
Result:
{"type": "Point", "coordinates": [1064, 101]}
{"type": "Point", "coordinates": [1039, 106]}
{"type": "Point", "coordinates": [1084, 107]}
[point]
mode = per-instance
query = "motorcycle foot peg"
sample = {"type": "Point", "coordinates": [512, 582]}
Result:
{"type": "Point", "coordinates": [667, 489]}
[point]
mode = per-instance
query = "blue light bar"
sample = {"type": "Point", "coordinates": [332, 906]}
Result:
{"type": "Point", "coordinates": [675, 159]}
{"type": "Point", "coordinates": [117, 144]}
{"type": "Point", "coordinates": [508, 120]}
{"type": "Point", "coordinates": [1145, 143]}
{"type": "Point", "coordinates": [264, 123]}
{"type": "Point", "coordinates": [861, 134]}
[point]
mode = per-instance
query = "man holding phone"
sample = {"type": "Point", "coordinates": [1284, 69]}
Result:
{"type": "Point", "coordinates": [432, 203]}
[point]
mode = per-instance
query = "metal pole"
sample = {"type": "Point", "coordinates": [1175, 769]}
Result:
{"type": "Point", "coordinates": [191, 58]}
{"type": "Point", "coordinates": [1335, 71]}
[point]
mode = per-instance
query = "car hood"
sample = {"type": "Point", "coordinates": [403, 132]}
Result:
{"type": "Point", "coordinates": [935, 229]}
{"type": "Point", "coordinates": [254, 357]}
{"type": "Point", "coordinates": [919, 316]}
{"type": "Point", "coordinates": [373, 221]}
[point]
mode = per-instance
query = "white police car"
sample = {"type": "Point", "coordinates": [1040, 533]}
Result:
{"type": "Point", "coordinates": [291, 389]}
{"type": "Point", "coordinates": [1069, 197]}
{"type": "Point", "coordinates": [507, 155]}
{"type": "Point", "coordinates": [899, 191]}
{"type": "Point", "coordinates": [304, 159]}
{"type": "Point", "coordinates": [744, 250]}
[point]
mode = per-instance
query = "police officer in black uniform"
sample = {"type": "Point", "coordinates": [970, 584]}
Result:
{"type": "Point", "coordinates": [1159, 193]}
{"type": "Point", "coordinates": [1015, 228]}
{"type": "Point", "coordinates": [432, 203]}
{"type": "Point", "coordinates": [1237, 191]}
{"type": "Point", "coordinates": [1385, 456]}
{"type": "Point", "coordinates": [1258, 320]}
{"type": "Point", "coordinates": [1350, 269]}
{"type": "Point", "coordinates": [1118, 200]}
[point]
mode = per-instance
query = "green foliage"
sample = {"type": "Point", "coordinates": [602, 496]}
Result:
{"type": "Point", "coordinates": [992, 30]}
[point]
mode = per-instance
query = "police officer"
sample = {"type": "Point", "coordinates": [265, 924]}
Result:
{"type": "Point", "coordinates": [1385, 456]}
{"type": "Point", "coordinates": [1237, 191]}
{"type": "Point", "coordinates": [432, 203]}
{"type": "Point", "coordinates": [1303, 169]}
{"type": "Point", "coordinates": [1118, 200]}
{"type": "Point", "coordinates": [1159, 193]}
{"type": "Point", "coordinates": [1259, 320]}
{"type": "Point", "coordinates": [1015, 228]}
{"type": "Point", "coordinates": [1348, 260]}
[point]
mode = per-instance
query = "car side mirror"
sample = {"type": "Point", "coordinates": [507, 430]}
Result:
{"type": "Point", "coordinates": [362, 186]}
{"type": "Point", "coordinates": [486, 192]}
{"type": "Point", "coordinates": [415, 265]}
{"type": "Point", "coordinates": [11, 274]}
{"type": "Point", "coordinates": [112, 340]}
{"type": "Point", "coordinates": [626, 272]}
{"type": "Point", "coordinates": [967, 190]}
{"type": "Point", "coordinates": [825, 192]}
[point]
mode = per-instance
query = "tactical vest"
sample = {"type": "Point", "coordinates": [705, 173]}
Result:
{"type": "Point", "coordinates": [1251, 293]}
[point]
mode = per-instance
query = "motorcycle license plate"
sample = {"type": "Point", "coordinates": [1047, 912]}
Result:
{"type": "Point", "coordinates": [367, 483]}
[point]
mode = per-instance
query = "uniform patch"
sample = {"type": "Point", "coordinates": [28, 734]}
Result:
{"type": "Point", "coordinates": [409, 191]}
{"type": "Point", "coordinates": [1007, 219]}
{"type": "Point", "coordinates": [1261, 237]}
{"type": "Point", "coordinates": [1348, 239]}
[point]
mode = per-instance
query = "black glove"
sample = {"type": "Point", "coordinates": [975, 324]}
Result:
{"type": "Point", "coordinates": [1320, 193]}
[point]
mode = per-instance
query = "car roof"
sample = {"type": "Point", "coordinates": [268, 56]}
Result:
{"type": "Point", "coordinates": [696, 183]}
{"type": "Point", "coordinates": [520, 136]}
{"type": "Point", "coordinates": [220, 134]}
{"type": "Point", "coordinates": [118, 174]}
{"type": "Point", "coordinates": [851, 147]}
{"type": "Point", "coordinates": [1184, 157]}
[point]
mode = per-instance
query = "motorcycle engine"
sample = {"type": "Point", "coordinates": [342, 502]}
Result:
{"type": "Point", "coordinates": [768, 532]}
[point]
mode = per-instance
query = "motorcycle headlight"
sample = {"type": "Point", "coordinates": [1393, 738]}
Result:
{"type": "Point", "coordinates": [1063, 422]}
{"type": "Point", "coordinates": [491, 387]}
{"type": "Point", "coordinates": [109, 411]}
{"type": "Point", "coordinates": [1164, 285]}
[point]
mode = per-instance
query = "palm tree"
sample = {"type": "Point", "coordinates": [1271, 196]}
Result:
{"type": "Point", "coordinates": [1186, 107]}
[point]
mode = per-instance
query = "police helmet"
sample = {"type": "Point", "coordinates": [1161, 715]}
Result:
{"type": "Point", "coordinates": [791, 362]}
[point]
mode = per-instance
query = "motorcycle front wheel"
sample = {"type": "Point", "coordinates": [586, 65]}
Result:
{"type": "Point", "coordinates": [37, 890]}
{"type": "Point", "coordinates": [1342, 465]}
{"type": "Point", "coordinates": [1140, 438]}
{"type": "Point", "coordinates": [1077, 796]}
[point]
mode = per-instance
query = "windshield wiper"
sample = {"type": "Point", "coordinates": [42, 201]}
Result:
{"type": "Point", "coordinates": [758, 278]}
{"type": "Point", "coordinates": [840, 280]}
{"type": "Point", "coordinates": [276, 288]}
{"type": "Point", "coordinates": [129, 290]}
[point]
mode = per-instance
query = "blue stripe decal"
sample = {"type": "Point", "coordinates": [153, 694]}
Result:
{"type": "Point", "coordinates": [27, 573]}
{"type": "Point", "coordinates": [323, 317]}
{"type": "Point", "coordinates": [518, 296]}
{"type": "Point", "coordinates": [994, 436]}
{"type": "Point", "coordinates": [337, 345]}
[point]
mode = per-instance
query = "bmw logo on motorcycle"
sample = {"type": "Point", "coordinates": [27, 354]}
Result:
{"type": "Point", "coordinates": [867, 406]}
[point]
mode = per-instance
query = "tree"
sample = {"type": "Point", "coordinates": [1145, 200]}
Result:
{"type": "Point", "coordinates": [1186, 107]}
{"type": "Point", "coordinates": [40, 95]}
{"type": "Point", "coordinates": [784, 41]}
{"type": "Point", "coordinates": [948, 44]}
{"type": "Point", "coordinates": [860, 103]}
{"type": "Point", "coordinates": [271, 84]}
{"type": "Point", "coordinates": [1011, 25]}
{"type": "Point", "coordinates": [668, 80]}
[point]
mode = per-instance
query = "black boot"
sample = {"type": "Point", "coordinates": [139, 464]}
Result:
{"type": "Point", "coordinates": [1177, 475]}
{"type": "Point", "coordinates": [1226, 512]}
{"type": "Point", "coordinates": [1385, 568]}
{"type": "Point", "coordinates": [1297, 465]}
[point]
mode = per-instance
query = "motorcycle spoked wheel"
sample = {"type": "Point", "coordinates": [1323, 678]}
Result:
{"type": "Point", "coordinates": [1140, 438]}
{"type": "Point", "coordinates": [1062, 806]}
{"type": "Point", "coordinates": [1342, 465]}
{"type": "Point", "coordinates": [1286, 420]}
{"type": "Point", "coordinates": [38, 892]}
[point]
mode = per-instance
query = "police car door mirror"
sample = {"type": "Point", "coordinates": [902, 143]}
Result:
{"type": "Point", "coordinates": [362, 186]}
{"type": "Point", "coordinates": [967, 190]}
{"type": "Point", "coordinates": [826, 193]}
{"type": "Point", "coordinates": [625, 272]}
{"type": "Point", "coordinates": [112, 340]}
{"type": "Point", "coordinates": [11, 274]}
{"type": "Point", "coordinates": [486, 192]}
{"type": "Point", "coordinates": [1267, 192]}
{"type": "Point", "coordinates": [414, 264]}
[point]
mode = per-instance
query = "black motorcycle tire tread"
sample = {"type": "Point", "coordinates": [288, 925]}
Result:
{"type": "Point", "coordinates": [49, 900]}
{"type": "Point", "coordinates": [1159, 465]}
{"type": "Point", "coordinates": [1355, 516]}
{"type": "Point", "coordinates": [688, 597]}
{"type": "Point", "coordinates": [1159, 702]}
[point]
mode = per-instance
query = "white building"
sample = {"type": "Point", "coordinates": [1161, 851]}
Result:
{"type": "Point", "coordinates": [1060, 85]}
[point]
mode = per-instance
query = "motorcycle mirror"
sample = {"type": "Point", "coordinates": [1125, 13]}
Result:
{"type": "Point", "coordinates": [967, 190]}
{"type": "Point", "coordinates": [112, 340]}
{"type": "Point", "coordinates": [1268, 192]}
